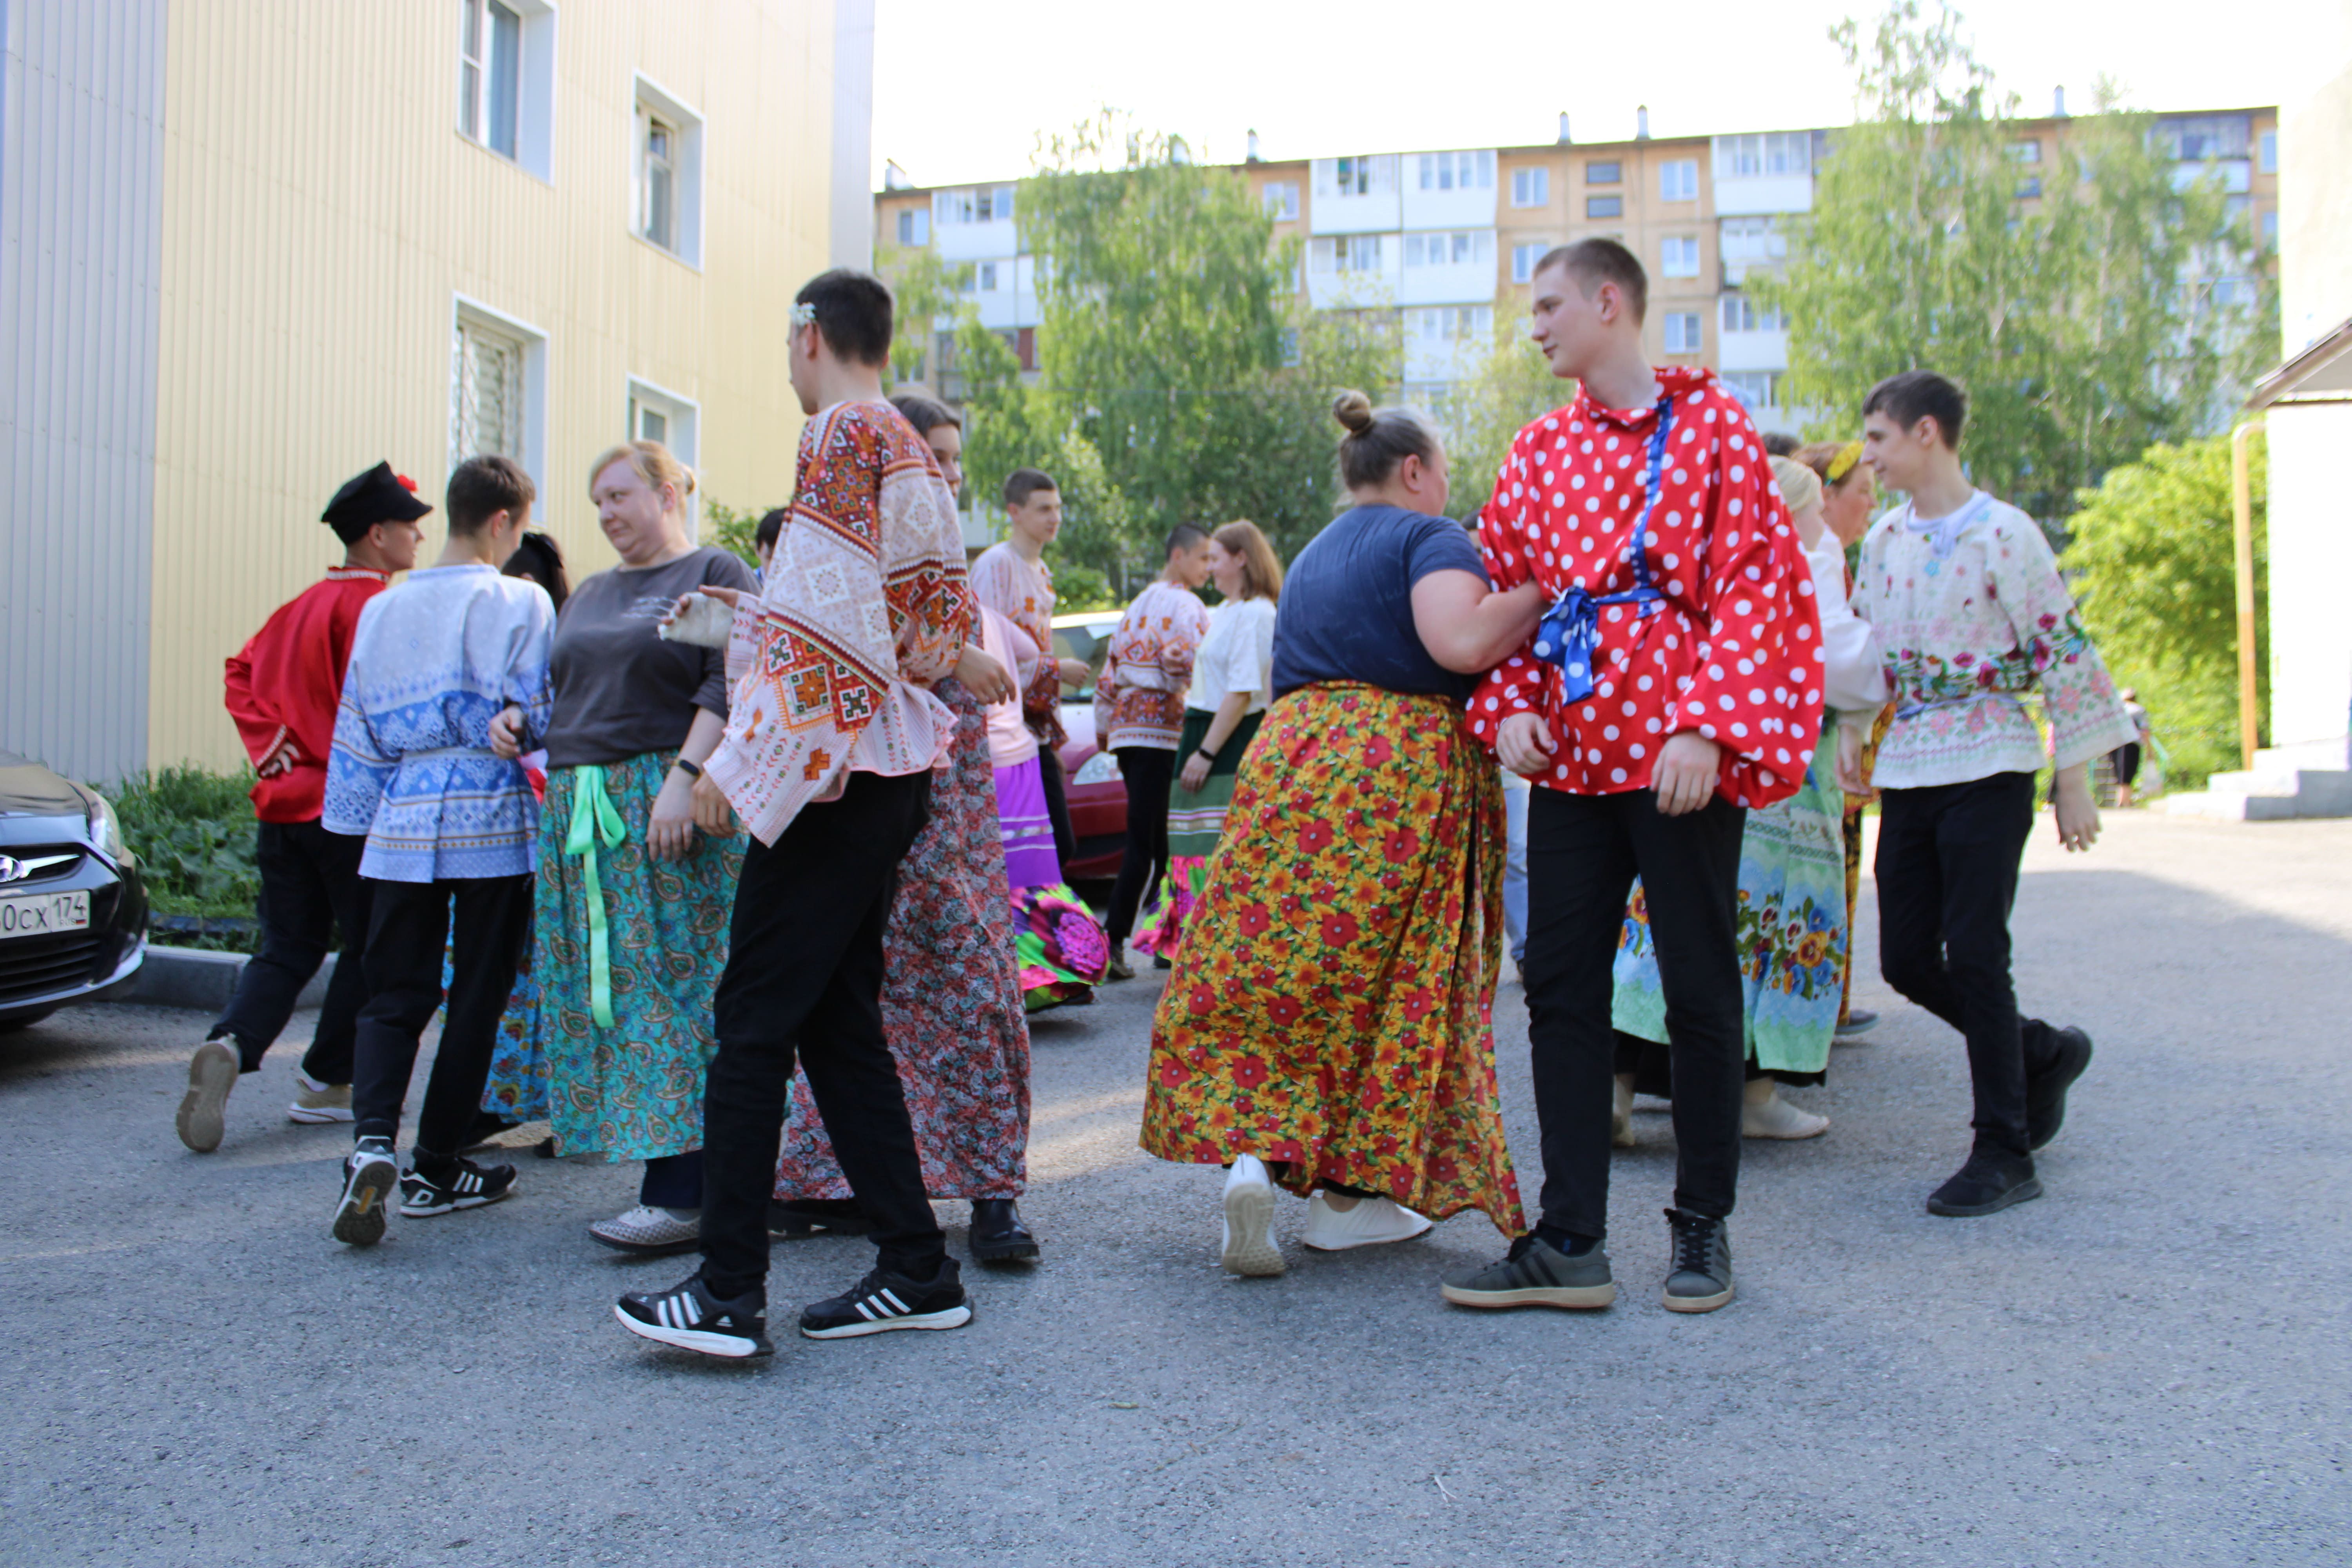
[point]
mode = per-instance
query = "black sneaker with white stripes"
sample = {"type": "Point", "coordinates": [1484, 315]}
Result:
{"type": "Point", "coordinates": [367, 1176]}
{"type": "Point", "coordinates": [690, 1317]}
{"type": "Point", "coordinates": [462, 1186]}
{"type": "Point", "coordinates": [884, 1301]}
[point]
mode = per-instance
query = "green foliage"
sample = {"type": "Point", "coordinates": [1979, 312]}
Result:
{"type": "Point", "coordinates": [1507, 387]}
{"type": "Point", "coordinates": [193, 833]}
{"type": "Point", "coordinates": [2084, 330]}
{"type": "Point", "coordinates": [732, 530]}
{"type": "Point", "coordinates": [1179, 380]}
{"type": "Point", "coordinates": [2152, 562]}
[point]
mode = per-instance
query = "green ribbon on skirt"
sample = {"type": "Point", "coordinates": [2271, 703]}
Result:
{"type": "Point", "coordinates": [593, 816]}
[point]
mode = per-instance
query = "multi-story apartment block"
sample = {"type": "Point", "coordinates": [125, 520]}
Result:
{"type": "Point", "coordinates": [1450, 238]}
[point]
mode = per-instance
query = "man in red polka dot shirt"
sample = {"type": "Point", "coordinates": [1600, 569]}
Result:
{"type": "Point", "coordinates": [1676, 682]}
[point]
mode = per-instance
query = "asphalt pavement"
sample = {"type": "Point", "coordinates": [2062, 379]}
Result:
{"type": "Point", "coordinates": [2149, 1365]}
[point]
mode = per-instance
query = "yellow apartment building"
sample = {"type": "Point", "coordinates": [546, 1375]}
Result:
{"type": "Point", "coordinates": [250, 249]}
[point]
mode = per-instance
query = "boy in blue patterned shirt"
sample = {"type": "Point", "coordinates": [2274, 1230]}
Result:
{"type": "Point", "coordinates": [447, 683]}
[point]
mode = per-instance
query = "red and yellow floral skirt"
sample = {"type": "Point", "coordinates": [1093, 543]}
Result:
{"type": "Point", "coordinates": [1330, 1005]}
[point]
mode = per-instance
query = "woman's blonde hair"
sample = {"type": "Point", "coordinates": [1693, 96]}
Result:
{"type": "Point", "coordinates": [1261, 567]}
{"type": "Point", "coordinates": [651, 462]}
{"type": "Point", "coordinates": [1800, 485]}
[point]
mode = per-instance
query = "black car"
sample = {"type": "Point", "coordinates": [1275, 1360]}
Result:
{"type": "Point", "coordinates": [73, 909]}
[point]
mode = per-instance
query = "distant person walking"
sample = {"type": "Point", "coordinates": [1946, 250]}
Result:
{"type": "Point", "coordinates": [283, 688]}
{"type": "Point", "coordinates": [1233, 685]}
{"type": "Point", "coordinates": [445, 667]}
{"type": "Point", "coordinates": [1011, 578]}
{"type": "Point", "coordinates": [1325, 1027]}
{"type": "Point", "coordinates": [2127, 757]}
{"type": "Point", "coordinates": [636, 875]}
{"type": "Point", "coordinates": [1140, 717]}
{"type": "Point", "coordinates": [1967, 602]}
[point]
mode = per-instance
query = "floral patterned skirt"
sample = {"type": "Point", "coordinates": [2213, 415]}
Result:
{"type": "Point", "coordinates": [1329, 1007]}
{"type": "Point", "coordinates": [1792, 931]}
{"type": "Point", "coordinates": [1854, 805]}
{"type": "Point", "coordinates": [952, 1004]}
{"type": "Point", "coordinates": [1059, 945]}
{"type": "Point", "coordinates": [631, 1090]}
{"type": "Point", "coordinates": [1196, 822]}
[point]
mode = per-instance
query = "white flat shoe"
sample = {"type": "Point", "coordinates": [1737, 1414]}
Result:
{"type": "Point", "coordinates": [1371, 1223]}
{"type": "Point", "coordinates": [1776, 1118]}
{"type": "Point", "coordinates": [1249, 1248]}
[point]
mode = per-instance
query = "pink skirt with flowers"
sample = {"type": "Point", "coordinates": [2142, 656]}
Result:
{"type": "Point", "coordinates": [1329, 1007]}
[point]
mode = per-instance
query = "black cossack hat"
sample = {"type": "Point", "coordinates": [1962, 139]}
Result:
{"type": "Point", "coordinates": [377, 496]}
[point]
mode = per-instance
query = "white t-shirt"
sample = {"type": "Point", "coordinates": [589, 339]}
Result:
{"type": "Point", "coordinates": [1236, 655]}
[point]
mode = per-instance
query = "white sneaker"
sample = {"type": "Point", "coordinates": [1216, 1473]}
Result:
{"type": "Point", "coordinates": [1620, 1113]}
{"type": "Point", "coordinates": [1369, 1222]}
{"type": "Point", "coordinates": [317, 1103]}
{"type": "Point", "coordinates": [1772, 1116]}
{"type": "Point", "coordinates": [650, 1232]}
{"type": "Point", "coordinates": [212, 1073]}
{"type": "Point", "coordinates": [1250, 1251]}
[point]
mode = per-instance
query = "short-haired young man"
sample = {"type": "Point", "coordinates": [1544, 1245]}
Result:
{"type": "Point", "coordinates": [1970, 606]}
{"type": "Point", "coordinates": [283, 688]}
{"type": "Point", "coordinates": [1676, 682]}
{"type": "Point", "coordinates": [447, 682]}
{"type": "Point", "coordinates": [832, 734]}
{"type": "Point", "coordinates": [1011, 578]}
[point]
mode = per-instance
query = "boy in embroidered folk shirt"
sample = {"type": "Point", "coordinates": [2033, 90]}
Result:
{"type": "Point", "coordinates": [1971, 612]}
{"type": "Point", "coordinates": [1013, 579]}
{"type": "Point", "coordinates": [282, 690]}
{"type": "Point", "coordinates": [832, 735]}
{"type": "Point", "coordinates": [1676, 682]}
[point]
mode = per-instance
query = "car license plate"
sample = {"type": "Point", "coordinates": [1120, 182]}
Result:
{"type": "Point", "coordinates": [44, 914]}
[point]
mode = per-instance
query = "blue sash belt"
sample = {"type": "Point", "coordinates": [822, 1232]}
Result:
{"type": "Point", "coordinates": [1570, 633]}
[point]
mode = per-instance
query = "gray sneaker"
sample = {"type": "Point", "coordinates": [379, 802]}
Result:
{"type": "Point", "coordinates": [1700, 1280]}
{"type": "Point", "coordinates": [1534, 1274]}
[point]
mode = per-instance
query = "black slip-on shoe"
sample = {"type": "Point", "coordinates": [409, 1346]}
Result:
{"type": "Point", "coordinates": [815, 1216]}
{"type": "Point", "coordinates": [464, 1186]}
{"type": "Point", "coordinates": [1990, 1182]}
{"type": "Point", "coordinates": [998, 1234]}
{"type": "Point", "coordinates": [1700, 1277]}
{"type": "Point", "coordinates": [2045, 1092]}
{"type": "Point", "coordinates": [1534, 1274]}
{"type": "Point", "coordinates": [884, 1301]}
{"type": "Point", "coordinates": [690, 1317]}
{"type": "Point", "coordinates": [369, 1174]}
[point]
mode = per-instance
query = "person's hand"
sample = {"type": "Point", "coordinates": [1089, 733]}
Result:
{"type": "Point", "coordinates": [2077, 813]}
{"type": "Point", "coordinates": [1851, 739]}
{"type": "Point", "coordinates": [984, 675]}
{"type": "Point", "coordinates": [1075, 671]}
{"type": "Point", "coordinates": [669, 834]}
{"type": "Point", "coordinates": [1195, 773]}
{"type": "Point", "coordinates": [1688, 770]}
{"type": "Point", "coordinates": [713, 812]}
{"type": "Point", "coordinates": [506, 733]}
{"type": "Point", "coordinates": [1524, 745]}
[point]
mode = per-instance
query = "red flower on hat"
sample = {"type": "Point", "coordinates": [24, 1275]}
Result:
{"type": "Point", "coordinates": [406, 482]}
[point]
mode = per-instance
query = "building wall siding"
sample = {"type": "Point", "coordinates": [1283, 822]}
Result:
{"type": "Point", "coordinates": [321, 214]}
{"type": "Point", "coordinates": [82, 119]}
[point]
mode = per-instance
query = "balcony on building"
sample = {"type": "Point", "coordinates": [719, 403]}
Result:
{"type": "Point", "coordinates": [1447, 267]}
{"type": "Point", "coordinates": [1447, 190]}
{"type": "Point", "coordinates": [1356, 195]}
{"type": "Point", "coordinates": [1765, 172]}
{"type": "Point", "coordinates": [975, 223]}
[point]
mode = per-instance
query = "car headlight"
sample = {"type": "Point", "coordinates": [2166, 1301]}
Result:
{"type": "Point", "coordinates": [1100, 768]}
{"type": "Point", "coordinates": [105, 829]}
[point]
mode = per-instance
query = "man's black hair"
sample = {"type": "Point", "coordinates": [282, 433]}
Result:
{"type": "Point", "coordinates": [1917, 394]}
{"type": "Point", "coordinates": [772, 526]}
{"type": "Point", "coordinates": [853, 310]}
{"type": "Point", "coordinates": [1183, 536]}
{"type": "Point", "coordinates": [484, 487]}
{"type": "Point", "coordinates": [1023, 483]}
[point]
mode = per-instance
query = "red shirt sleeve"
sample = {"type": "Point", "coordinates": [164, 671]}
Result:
{"type": "Point", "coordinates": [258, 727]}
{"type": "Point", "coordinates": [1521, 683]}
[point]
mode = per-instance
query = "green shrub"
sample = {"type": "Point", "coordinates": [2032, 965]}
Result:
{"type": "Point", "coordinates": [193, 833]}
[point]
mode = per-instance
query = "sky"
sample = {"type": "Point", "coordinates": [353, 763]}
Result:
{"type": "Point", "coordinates": [960, 92]}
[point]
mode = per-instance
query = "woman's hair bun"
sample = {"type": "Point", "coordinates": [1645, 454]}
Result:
{"type": "Point", "coordinates": [686, 475]}
{"type": "Point", "coordinates": [1354, 410]}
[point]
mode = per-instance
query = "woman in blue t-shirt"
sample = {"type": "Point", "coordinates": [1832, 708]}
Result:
{"type": "Point", "coordinates": [1325, 1026]}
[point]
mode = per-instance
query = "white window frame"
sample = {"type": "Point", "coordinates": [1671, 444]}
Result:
{"type": "Point", "coordinates": [1683, 333]}
{"type": "Point", "coordinates": [472, 315]}
{"type": "Point", "coordinates": [681, 418]}
{"type": "Point", "coordinates": [1457, 171]}
{"type": "Point", "coordinates": [1525, 254]}
{"type": "Point", "coordinates": [1764, 155]}
{"type": "Point", "coordinates": [1739, 383]}
{"type": "Point", "coordinates": [914, 228]}
{"type": "Point", "coordinates": [1678, 256]}
{"type": "Point", "coordinates": [1450, 246]}
{"type": "Point", "coordinates": [1280, 199]}
{"type": "Point", "coordinates": [534, 82]}
{"type": "Point", "coordinates": [1361, 175]}
{"type": "Point", "coordinates": [655, 102]}
{"type": "Point", "coordinates": [1678, 180]}
{"type": "Point", "coordinates": [1450, 323]}
{"type": "Point", "coordinates": [1531, 186]}
{"type": "Point", "coordinates": [1739, 313]}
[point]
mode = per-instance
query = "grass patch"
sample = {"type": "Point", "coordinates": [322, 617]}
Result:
{"type": "Point", "coordinates": [194, 834]}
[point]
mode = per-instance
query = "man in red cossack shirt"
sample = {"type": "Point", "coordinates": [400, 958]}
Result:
{"type": "Point", "coordinates": [283, 688]}
{"type": "Point", "coordinates": [1676, 682]}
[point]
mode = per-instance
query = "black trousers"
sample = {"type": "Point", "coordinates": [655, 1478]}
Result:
{"type": "Point", "coordinates": [310, 886]}
{"type": "Point", "coordinates": [1947, 870]}
{"type": "Point", "coordinates": [1058, 805]}
{"type": "Point", "coordinates": [409, 927]}
{"type": "Point", "coordinates": [1151, 774]}
{"type": "Point", "coordinates": [1583, 852]}
{"type": "Point", "coordinates": [804, 978]}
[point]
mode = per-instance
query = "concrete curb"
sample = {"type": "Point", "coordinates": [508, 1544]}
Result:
{"type": "Point", "coordinates": [188, 977]}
